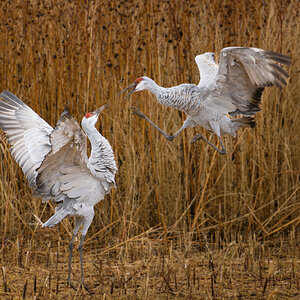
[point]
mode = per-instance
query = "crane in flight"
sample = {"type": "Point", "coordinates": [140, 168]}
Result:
{"type": "Point", "coordinates": [234, 87]}
{"type": "Point", "coordinates": [56, 164]}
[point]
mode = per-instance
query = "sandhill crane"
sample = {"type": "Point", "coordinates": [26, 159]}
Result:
{"type": "Point", "coordinates": [56, 165]}
{"type": "Point", "coordinates": [234, 87]}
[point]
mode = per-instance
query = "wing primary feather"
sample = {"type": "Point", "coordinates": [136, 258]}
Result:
{"type": "Point", "coordinates": [280, 70]}
{"type": "Point", "coordinates": [6, 106]}
{"type": "Point", "coordinates": [65, 115]}
{"type": "Point", "coordinates": [281, 58]}
{"type": "Point", "coordinates": [257, 94]}
{"type": "Point", "coordinates": [11, 98]}
{"type": "Point", "coordinates": [278, 77]}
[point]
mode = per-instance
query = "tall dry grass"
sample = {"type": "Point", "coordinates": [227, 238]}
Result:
{"type": "Point", "coordinates": [54, 53]}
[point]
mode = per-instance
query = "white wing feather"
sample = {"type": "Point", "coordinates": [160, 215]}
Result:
{"type": "Point", "coordinates": [55, 161]}
{"type": "Point", "coordinates": [207, 67]}
{"type": "Point", "coordinates": [64, 175]}
{"type": "Point", "coordinates": [242, 75]}
{"type": "Point", "coordinates": [26, 132]}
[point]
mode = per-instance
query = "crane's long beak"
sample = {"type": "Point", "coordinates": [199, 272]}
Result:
{"type": "Point", "coordinates": [99, 110]}
{"type": "Point", "coordinates": [133, 86]}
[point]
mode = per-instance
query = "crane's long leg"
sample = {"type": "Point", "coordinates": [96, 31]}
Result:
{"type": "Point", "coordinates": [137, 112]}
{"type": "Point", "coordinates": [78, 223]}
{"type": "Point", "coordinates": [70, 260]}
{"type": "Point", "coordinates": [81, 263]}
{"type": "Point", "coordinates": [199, 136]}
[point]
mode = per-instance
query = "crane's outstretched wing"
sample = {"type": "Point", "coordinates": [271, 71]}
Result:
{"type": "Point", "coordinates": [28, 134]}
{"type": "Point", "coordinates": [64, 175]}
{"type": "Point", "coordinates": [242, 76]}
{"type": "Point", "coordinates": [207, 67]}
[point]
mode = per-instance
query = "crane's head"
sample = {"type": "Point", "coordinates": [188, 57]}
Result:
{"type": "Point", "coordinates": [141, 83]}
{"type": "Point", "coordinates": [90, 119]}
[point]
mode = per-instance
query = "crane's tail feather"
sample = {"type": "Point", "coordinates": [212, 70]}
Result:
{"type": "Point", "coordinates": [243, 122]}
{"type": "Point", "coordinates": [59, 215]}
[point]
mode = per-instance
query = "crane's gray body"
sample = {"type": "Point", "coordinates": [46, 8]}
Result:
{"type": "Point", "coordinates": [55, 161]}
{"type": "Point", "coordinates": [234, 87]}
{"type": "Point", "coordinates": [56, 165]}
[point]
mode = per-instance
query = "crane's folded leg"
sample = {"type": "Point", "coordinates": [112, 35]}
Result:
{"type": "Point", "coordinates": [199, 136]}
{"type": "Point", "coordinates": [186, 124]}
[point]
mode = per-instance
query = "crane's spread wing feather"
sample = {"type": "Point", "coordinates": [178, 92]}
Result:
{"type": "Point", "coordinates": [208, 69]}
{"type": "Point", "coordinates": [28, 134]}
{"type": "Point", "coordinates": [242, 76]}
{"type": "Point", "coordinates": [64, 175]}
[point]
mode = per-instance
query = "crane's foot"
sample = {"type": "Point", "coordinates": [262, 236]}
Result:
{"type": "Point", "coordinates": [222, 152]}
{"type": "Point", "coordinates": [85, 287]}
{"type": "Point", "coordinates": [136, 111]}
{"type": "Point", "coordinates": [82, 285]}
{"type": "Point", "coordinates": [170, 137]}
{"type": "Point", "coordinates": [71, 285]}
{"type": "Point", "coordinates": [199, 136]}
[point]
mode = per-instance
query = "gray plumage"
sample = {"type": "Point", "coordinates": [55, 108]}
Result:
{"type": "Point", "coordinates": [234, 87]}
{"type": "Point", "coordinates": [55, 161]}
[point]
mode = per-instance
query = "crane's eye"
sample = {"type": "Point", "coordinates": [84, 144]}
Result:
{"type": "Point", "coordinates": [88, 115]}
{"type": "Point", "coordinates": [213, 55]}
{"type": "Point", "coordinates": [138, 80]}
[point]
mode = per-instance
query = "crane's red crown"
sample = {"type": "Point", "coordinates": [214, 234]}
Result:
{"type": "Point", "coordinates": [138, 80]}
{"type": "Point", "coordinates": [88, 115]}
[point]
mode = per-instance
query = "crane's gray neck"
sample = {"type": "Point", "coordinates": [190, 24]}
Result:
{"type": "Point", "coordinates": [98, 142]}
{"type": "Point", "coordinates": [158, 91]}
{"type": "Point", "coordinates": [93, 134]}
{"type": "Point", "coordinates": [102, 158]}
{"type": "Point", "coordinates": [155, 88]}
{"type": "Point", "coordinates": [172, 97]}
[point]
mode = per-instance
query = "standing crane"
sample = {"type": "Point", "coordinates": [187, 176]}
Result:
{"type": "Point", "coordinates": [234, 87]}
{"type": "Point", "coordinates": [56, 164]}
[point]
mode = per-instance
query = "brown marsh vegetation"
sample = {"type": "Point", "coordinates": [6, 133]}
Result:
{"type": "Point", "coordinates": [184, 221]}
